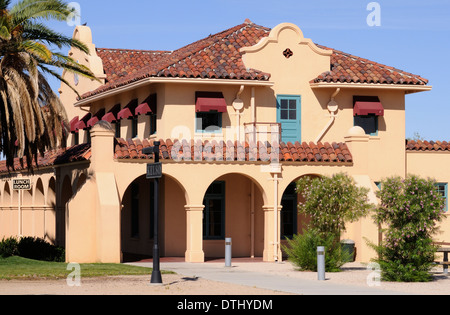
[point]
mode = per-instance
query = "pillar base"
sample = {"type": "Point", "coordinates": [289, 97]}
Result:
{"type": "Point", "coordinates": [195, 256]}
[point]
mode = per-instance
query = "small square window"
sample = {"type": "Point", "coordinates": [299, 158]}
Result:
{"type": "Point", "coordinates": [209, 122]}
{"type": "Point", "coordinates": [368, 123]}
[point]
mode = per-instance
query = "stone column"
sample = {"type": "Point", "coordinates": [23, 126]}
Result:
{"type": "Point", "coordinates": [194, 230]}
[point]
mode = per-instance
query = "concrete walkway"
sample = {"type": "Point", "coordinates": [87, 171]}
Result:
{"type": "Point", "coordinates": [273, 276]}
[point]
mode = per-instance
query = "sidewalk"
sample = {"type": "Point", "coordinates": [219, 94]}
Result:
{"type": "Point", "coordinates": [283, 277]}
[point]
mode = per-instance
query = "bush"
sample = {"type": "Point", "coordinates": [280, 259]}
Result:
{"type": "Point", "coordinates": [302, 251]}
{"type": "Point", "coordinates": [39, 249]}
{"type": "Point", "coordinates": [32, 248]}
{"type": "Point", "coordinates": [410, 209]}
{"type": "Point", "coordinates": [8, 247]}
{"type": "Point", "coordinates": [331, 202]}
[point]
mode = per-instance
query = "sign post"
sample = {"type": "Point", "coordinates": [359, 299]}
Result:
{"type": "Point", "coordinates": [154, 171]}
{"type": "Point", "coordinates": [20, 185]}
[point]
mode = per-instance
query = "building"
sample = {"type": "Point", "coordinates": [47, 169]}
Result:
{"type": "Point", "coordinates": [241, 115]}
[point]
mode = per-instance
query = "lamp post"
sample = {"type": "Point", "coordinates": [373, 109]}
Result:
{"type": "Point", "coordinates": [154, 171]}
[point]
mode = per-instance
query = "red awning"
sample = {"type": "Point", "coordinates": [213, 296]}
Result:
{"type": "Point", "coordinates": [128, 111]}
{"type": "Point", "coordinates": [111, 116]}
{"type": "Point", "coordinates": [82, 124]}
{"type": "Point", "coordinates": [73, 124]}
{"type": "Point", "coordinates": [143, 109]}
{"type": "Point", "coordinates": [96, 118]}
{"type": "Point", "coordinates": [207, 104]}
{"type": "Point", "coordinates": [367, 108]}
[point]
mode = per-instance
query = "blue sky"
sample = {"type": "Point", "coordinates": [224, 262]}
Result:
{"type": "Point", "coordinates": [413, 36]}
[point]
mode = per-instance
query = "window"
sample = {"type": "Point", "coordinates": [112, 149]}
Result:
{"type": "Point", "coordinates": [443, 191]}
{"type": "Point", "coordinates": [76, 138]}
{"type": "Point", "coordinates": [369, 123]}
{"type": "Point", "coordinates": [209, 122]}
{"type": "Point", "coordinates": [117, 128]}
{"type": "Point", "coordinates": [214, 212]}
{"type": "Point", "coordinates": [366, 110]}
{"type": "Point", "coordinates": [289, 213]}
{"type": "Point", "coordinates": [209, 107]}
{"type": "Point", "coordinates": [134, 127]}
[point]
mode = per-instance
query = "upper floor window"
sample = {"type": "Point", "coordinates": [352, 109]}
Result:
{"type": "Point", "coordinates": [209, 107]}
{"type": "Point", "coordinates": [443, 191]}
{"type": "Point", "coordinates": [366, 112]}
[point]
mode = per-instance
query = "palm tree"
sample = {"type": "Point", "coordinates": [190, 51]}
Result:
{"type": "Point", "coordinates": [32, 118]}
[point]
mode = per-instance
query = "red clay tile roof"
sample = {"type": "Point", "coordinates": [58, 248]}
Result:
{"type": "Point", "coordinates": [235, 151]}
{"type": "Point", "coordinates": [419, 145]}
{"type": "Point", "coordinates": [346, 68]}
{"type": "Point", "coordinates": [76, 153]}
{"type": "Point", "coordinates": [119, 63]}
{"type": "Point", "coordinates": [214, 57]}
{"type": "Point", "coordinates": [218, 57]}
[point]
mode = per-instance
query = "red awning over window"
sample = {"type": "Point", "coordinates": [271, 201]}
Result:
{"type": "Point", "coordinates": [368, 108]}
{"type": "Point", "coordinates": [143, 109]}
{"type": "Point", "coordinates": [208, 104]}
{"type": "Point", "coordinates": [96, 118]}
{"type": "Point", "coordinates": [128, 111]}
{"type": "Point", "coordinates": [111, 116]}
{"type": "Point", "coordinates": [82, 124]}
{"type": "Point", "coordinates": [73, 124]}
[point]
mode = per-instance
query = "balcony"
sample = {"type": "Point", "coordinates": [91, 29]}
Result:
{"type": "Point", "coordinates": [262, 131]}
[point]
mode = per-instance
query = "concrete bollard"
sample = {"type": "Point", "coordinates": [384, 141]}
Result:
{"type": "Point", "coordinates": [321, 263]}
{"type": "Point", "coordinates": [228, 252]}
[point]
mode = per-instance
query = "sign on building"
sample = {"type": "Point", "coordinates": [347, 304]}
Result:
{"type": "Point", "coordinates": [22, 184]}
{"type": "Point", "coordinates": [154, 170]}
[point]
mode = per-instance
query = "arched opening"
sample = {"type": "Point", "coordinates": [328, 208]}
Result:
{"type": "Point", "coordinates": [292, 222]}
{"type": "Point", "coordinates": [39, 199]}
{"type": "Point", "coordinates": [50, 212]}
{"type": "Point", "coordinates": [61, 211]}
{"type": "Point", "coordinates": [233, 209]}
{"type": "Point", "coordinates": [137, 219]}
{"type": "Point", "coordinates": [7, 195]}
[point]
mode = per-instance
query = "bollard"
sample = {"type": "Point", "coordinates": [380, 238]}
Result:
{"type": "Point", "coordinates": [321, 263]}
{"type": "Point", "coordinates": [228, 252]}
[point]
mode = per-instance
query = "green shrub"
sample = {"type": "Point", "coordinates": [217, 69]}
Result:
{"type": "Point", "coordinates": [39, 249]}
{"type": "Point", "coordinates": [302, 251]}
{"type": "Point", "coordinates": [331, 202]}
{"type": "Point", "coordinates": [8, 247]}
{"type": "Point", "coordinates": [410, 210]}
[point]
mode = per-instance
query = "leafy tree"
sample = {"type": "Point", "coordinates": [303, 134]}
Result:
{"type": "Point", "coordinates": [410, 211]}
{"type": "Point", "coordinates": [331, 202]}
{"type": "Point", "coordinates": [32, 118]}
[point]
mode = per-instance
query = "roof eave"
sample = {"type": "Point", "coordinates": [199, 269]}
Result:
{"type": "Point", "coordinates": [102, 95]}
{"type": "Point", "coordinates": [409, 89]}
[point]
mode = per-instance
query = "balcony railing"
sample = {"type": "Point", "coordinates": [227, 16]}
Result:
{"type": "Point", "coordinates": [262, 131]}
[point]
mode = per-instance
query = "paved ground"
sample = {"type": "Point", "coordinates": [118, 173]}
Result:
{"type": "Point", "coordinates": [245, 277]}
{"type": "Point", "coordinates": [355, 279]}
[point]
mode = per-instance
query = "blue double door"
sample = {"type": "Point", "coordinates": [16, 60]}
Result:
{"type": "Point", "coordinates": [289, 116]}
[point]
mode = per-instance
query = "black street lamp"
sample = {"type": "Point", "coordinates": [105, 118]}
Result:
{"type": "Point", "coordinates": [154, 171]}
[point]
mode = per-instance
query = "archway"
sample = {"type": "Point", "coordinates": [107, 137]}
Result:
{"type": "Point", "coordinates": [292, 222]}
{"type": "Point", "coordinates": [50, 213]}
{"type": "Point", "coordinates": [137, 219]}
{"type": "Point", "coordinates": [233, 208]}
{"type": "Point", "coordinates": [65, 195]}
{"type": "Point", "coordinates": [39, 199]}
